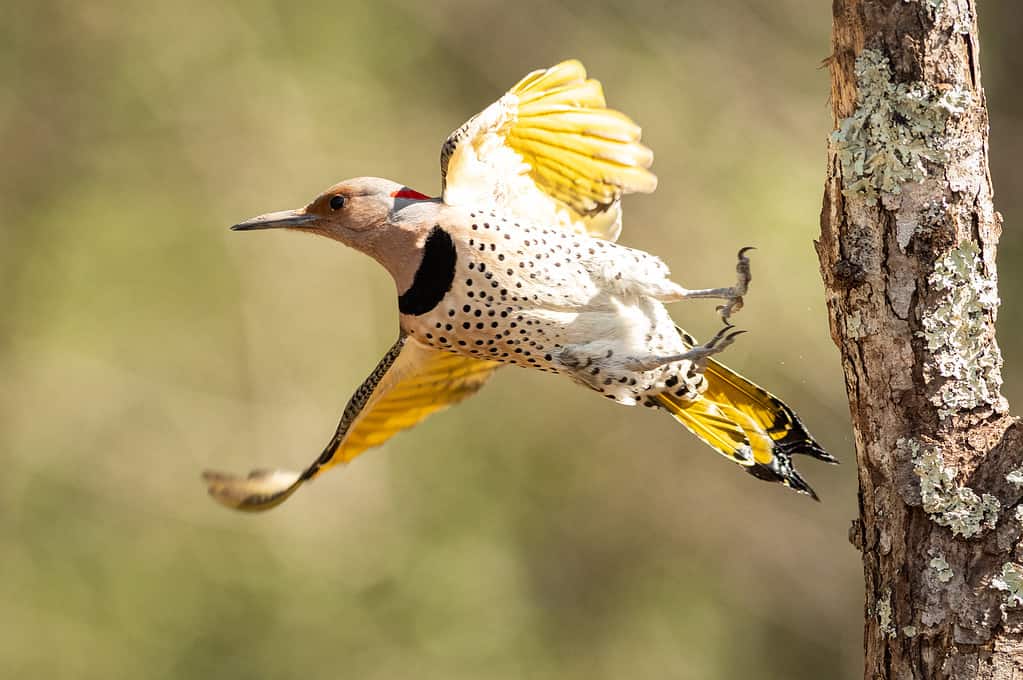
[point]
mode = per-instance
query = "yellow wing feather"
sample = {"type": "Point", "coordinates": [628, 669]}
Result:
{"type": "Point", "coordinates": [550, 150]}
{"type": "Point", "coordinates": [603, 123]}
{"type": "Point", "coordinates": [428, 380]}
{"type": "Point", "coordinates": [411, 382]}
{"type": "Point", "coordinates": [569, 70]}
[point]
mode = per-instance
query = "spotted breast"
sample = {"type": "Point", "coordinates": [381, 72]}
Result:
{"type": "Point", "coordinates": [496, 288]}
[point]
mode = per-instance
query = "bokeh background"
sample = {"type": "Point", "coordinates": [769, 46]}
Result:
{"type": "Point", "coordinates": [535, 531]}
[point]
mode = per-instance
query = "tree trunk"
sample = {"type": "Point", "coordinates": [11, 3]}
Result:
{"type": "Point", "coordinates": [907, 252]}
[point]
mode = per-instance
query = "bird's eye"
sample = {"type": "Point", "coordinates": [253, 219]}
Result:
{"type": "Point", "coordinates": [337, 202]}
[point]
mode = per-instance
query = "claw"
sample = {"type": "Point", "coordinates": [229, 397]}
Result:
{"type": "Point", "coordinates": [724, 338]}
{"type": "Point", "coordinates": [729, 339]}
{"type": "Point", "coordinates": [719, 335]}
{"type": "Point", "coordinates": [720, 341]}
{"type": "Point", "coordinates": [742, 268]}
{"type": "Point", "coordinates": [726, 311]}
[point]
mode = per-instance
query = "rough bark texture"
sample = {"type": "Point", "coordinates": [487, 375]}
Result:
{"type": "Point", "coordinates": [907, 252]}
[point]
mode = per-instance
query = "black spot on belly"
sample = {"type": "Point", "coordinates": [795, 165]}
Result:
{"type": "Point", "coordinates": [433, 279]}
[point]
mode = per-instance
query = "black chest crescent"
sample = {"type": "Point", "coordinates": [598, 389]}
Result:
{"type": "Point", "coordinates": [433, 279]}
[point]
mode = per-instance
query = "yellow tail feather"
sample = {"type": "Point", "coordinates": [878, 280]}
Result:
{"type": "Point", "coordinates": [746, 424]}
{"type": "Point", "coordinates": [769, 414]}
{"type": "Point", "coordinates": [705, 419]}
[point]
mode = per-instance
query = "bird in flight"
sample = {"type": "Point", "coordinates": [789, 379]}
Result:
{"type": "Point", "coordinates": [517, 262]}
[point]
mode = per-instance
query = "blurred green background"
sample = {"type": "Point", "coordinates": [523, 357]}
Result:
{"type": "Point", "coordinates": [536, 531]}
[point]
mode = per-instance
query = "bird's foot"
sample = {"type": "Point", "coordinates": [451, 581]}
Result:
{"type": "Point", "coordinates": [735, 293]}
{"type": "Point", "coordinates": [732, 294]}
{"type": "Point", "coordinates": [698, 354]}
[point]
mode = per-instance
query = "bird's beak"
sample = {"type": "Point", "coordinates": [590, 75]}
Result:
{"type": "Point", "coordinates": [275, 220]}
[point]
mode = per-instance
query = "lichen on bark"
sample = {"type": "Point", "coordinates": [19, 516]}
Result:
{"type": "Point", "coordinates": [884, 614]}
{"type": "Point", "coordinates": [1015, 477]}
{"type": "Point", "coordinates": [895, 128]}
{"type": "Point", "coordinates": [940, 566]}
{"type": "Point", "coordinates": [950, 504]}
{"type": "Point", "coordinates": [956, 332]}
{"type": "Point", "coordinates": [1010, 581]}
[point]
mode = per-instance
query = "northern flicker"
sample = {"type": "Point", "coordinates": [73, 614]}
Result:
{"type": "Point", "coordinates": [517, 263]}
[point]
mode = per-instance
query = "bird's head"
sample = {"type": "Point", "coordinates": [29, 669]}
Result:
{"type": "Point", "coordinates": [350, 211]}
{"type": "Point", "coordinates": [360, 213]}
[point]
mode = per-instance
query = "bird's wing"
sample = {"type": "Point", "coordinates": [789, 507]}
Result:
{"type": "Point", "coordinates": [410, 382]}
{"type": "Point", "coordinates": [549, 150]}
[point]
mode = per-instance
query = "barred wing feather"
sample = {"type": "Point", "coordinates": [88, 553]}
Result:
{"type": "Point", "coordinates": [410, 382]}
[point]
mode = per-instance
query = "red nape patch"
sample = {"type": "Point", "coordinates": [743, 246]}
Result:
{"type": "Point", "coordinates": [410, 194]}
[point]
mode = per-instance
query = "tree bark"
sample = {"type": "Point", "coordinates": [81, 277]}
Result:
{"type": "Point", "coordinates": [907, 253]}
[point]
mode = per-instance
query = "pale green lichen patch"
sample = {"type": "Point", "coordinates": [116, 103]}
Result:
{"type": "Point", "coordinates": [1015, 477]}
{"type": "Point", "coordinates": [909, 631]}
{"type": "Point", "coordinates": [956, 329]}
{"type": "Point", "coordinates": [895, 129]}
{"type": "Point", "coordinates": [950, 505]}
{"type": "Point", "coordinates": [1019, 514]}
{"type": "Point", "coordinates": [942, 571]}
{"type": "Point", "coordinates": [884, 613]}
{"type": "Point", "coordinates": [1011, 582]}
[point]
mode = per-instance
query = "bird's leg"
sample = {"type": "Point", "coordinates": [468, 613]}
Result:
{"type": "Point", "coordinates": [733, 294]}
{"type": "Point", "coordinates": [697, 354]}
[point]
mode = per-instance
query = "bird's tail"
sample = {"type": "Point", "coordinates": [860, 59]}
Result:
{"type": "Point", "coordinates": [748, 425]}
